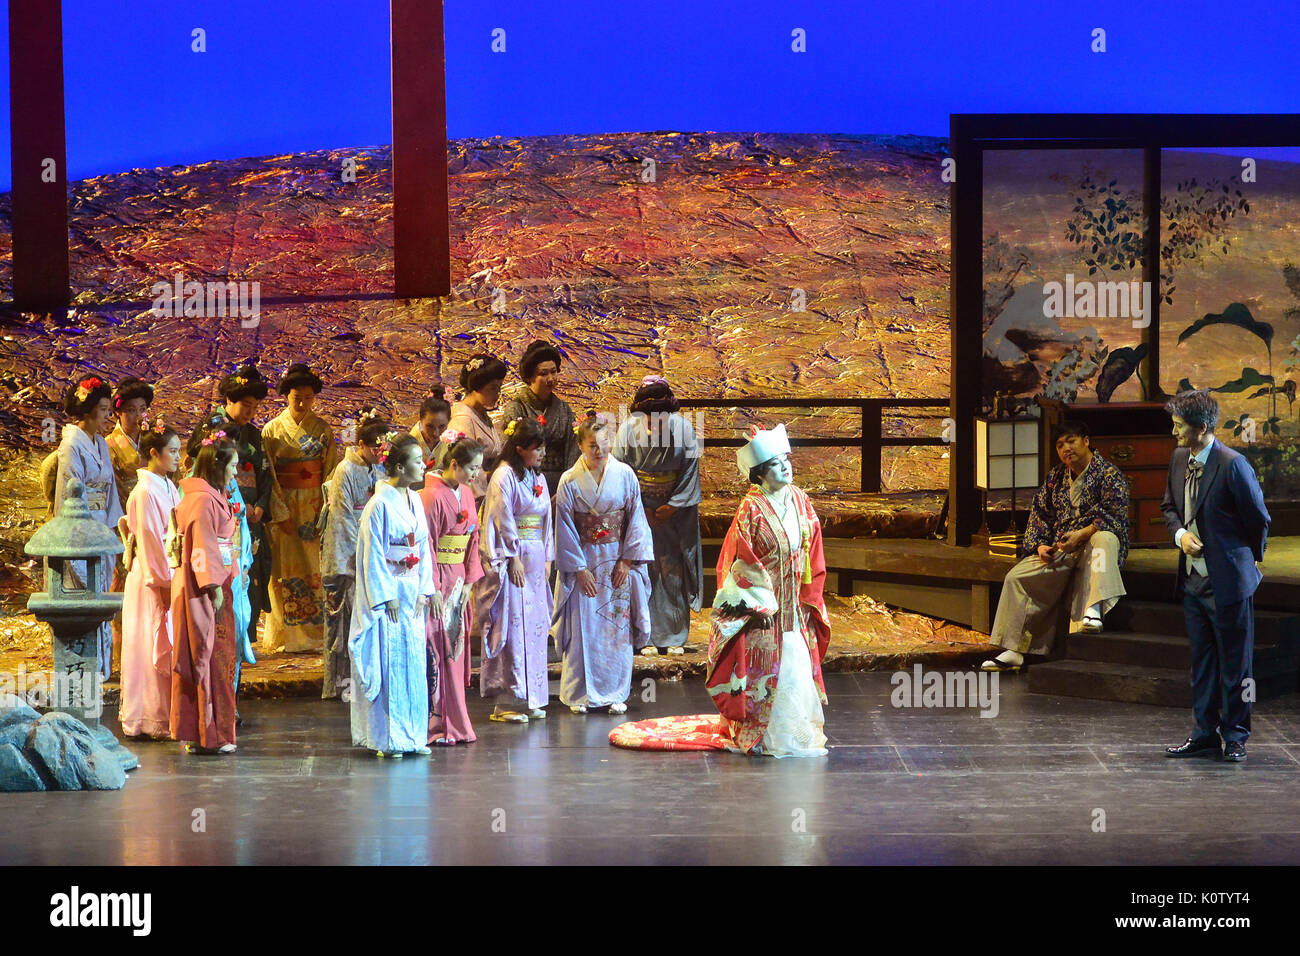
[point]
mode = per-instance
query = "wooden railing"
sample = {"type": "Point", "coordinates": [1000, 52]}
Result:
{"type": "Point", "coordinates": [870, 442]}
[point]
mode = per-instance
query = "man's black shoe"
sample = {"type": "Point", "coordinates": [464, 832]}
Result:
{"type": "Point", "coordinates": [1195, 747]}
{"type": "Point", "coordinates": [1235, 751]}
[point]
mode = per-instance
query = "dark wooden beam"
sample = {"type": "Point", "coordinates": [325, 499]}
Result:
{"type": "Point", "coordinates": [39, 156]}
{"type": "Point", "coordinates": [1150, 366]}
{"type": "Point", "coordinates": [966, 330]}
{"type": "Point", "coordinates": [421, 237]}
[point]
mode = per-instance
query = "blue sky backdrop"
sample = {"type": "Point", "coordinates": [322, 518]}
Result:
{"type": "Point", "coordinates": [288, 75]}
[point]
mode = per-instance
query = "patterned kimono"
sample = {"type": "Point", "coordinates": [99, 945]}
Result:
{"type": "Point", "coordinates": [556, 420]}
{"type": "Point", "coordinates": [146, 607]}
{"type": "Point", "coordinates": [240, 581]}
{"type": "Point", "coordinates": [88, 458]}
{"type": "Point", "coordinates": [669, 474]}
{"type": "Point", "coordinates": [597, 526]}
{"type": "Point", "coordinates": [126, 461]}
{"type": "Point", "coordinates": [514, 622]}
{"type": "Point", "coordinates": [770, 627]}
{"type": "Point", "coordinates": [465, 419]}
{"type": "Point", "coordinates": [350, 489]}
{"type": "Point", "coordinates": [254, 479]}
{"type": "Point", "coordinates": [301, 456]}
{"type": "Point", "coordinates": [206, 643]}
{"type": "Point", "coordinates": [453, 530]}
{"type": "Point", "coordinates": [1104, 499]}
{"type": "Point", "coordinates": [390, 697]}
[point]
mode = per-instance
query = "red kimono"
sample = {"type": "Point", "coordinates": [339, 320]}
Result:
{"type": "Point", "coordinates": [763, 584]}
{"type": "Point", "coordinates": [203, 678]}
{"type": "Point", "coordinates": [453, 535]}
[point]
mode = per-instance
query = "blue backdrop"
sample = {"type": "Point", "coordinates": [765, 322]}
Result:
{"type": "Point", "coordinates": [288, 75]}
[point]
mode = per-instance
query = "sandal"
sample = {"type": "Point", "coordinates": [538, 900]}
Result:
{"type": "Point", "coordinates": [650, 651]}
{"type": "Point", "coordinates": [509, 717]}
{"type": "Point", "coordinates": [675, 651]}
{"type": "Point", "coordinates": [391, 754]}
{"type": "Point", "coordinates": [422, 751]}
{"type": "Point", "coordinates": [538, 714]}
{"type": "Point", "coordinates": [993, 664]}
{"type": "Point", "coordinates": [619, 708]}
{"type": "Point", "coordinates": [578, 708]}
{"type": "Point", "coordinates": [443, 742]}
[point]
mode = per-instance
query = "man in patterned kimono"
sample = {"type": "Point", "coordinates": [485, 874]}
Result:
{"type": "Point", "coordinates": [241, 393]}
{"type": "Point", "coordinates": [1074, 545]}
{"type": "Point", "coordinates": [770, 627]}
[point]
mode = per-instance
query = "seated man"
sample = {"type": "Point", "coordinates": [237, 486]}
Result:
{"type": "Point", "coordinates": [1074, 546]}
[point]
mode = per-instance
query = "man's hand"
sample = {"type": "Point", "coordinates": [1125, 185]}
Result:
{"type": "Point", "coordinates": [587, 583]}
{"type": "Point", "coordinates": [1073, 541]}
{"type": "Point", "coordinates": [1046, 553]}
{"type": "Point", "coordinates": [1191, 545]}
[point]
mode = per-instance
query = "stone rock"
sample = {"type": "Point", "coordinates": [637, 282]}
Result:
{"type": "Point", "coordinates": [72, 756]}
{"type": "Point", "coordinates": [16, 719]}
{"type": "Point", "coordinates": [16, 774]}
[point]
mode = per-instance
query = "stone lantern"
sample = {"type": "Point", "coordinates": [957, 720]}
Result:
{"type": "Point", "coordinates": [75, 613]}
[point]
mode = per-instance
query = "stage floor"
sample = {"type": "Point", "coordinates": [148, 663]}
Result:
{"type": "Point", "coordinates": [899, 786]}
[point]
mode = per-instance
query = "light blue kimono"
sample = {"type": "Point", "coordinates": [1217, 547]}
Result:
{"type": "Point", "coordinates": [390, 696]}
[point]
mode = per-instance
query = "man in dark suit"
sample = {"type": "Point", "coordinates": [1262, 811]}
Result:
{"type": "Point", "coordinates": [1215, 511]}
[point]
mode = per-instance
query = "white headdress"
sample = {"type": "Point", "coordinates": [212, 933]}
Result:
{"type": "Point", "coordinates": [763, 446]}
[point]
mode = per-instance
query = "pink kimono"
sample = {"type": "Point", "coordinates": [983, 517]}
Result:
{"type": "Point", "coordinates": [203, 675]}
{"type": "Point", "coordinates": [146, 618]}
{"type": "Point", "coordinates": [453, 533]}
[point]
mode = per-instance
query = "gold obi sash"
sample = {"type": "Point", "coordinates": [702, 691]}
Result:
{"type": "Point", "coordinates": [656, 484]}
{"type": "Point", "coordinates": [599, 528]}
{"type": "Point", "coordinates": [529, 527]}
{"type": "Point", "coordinates": [397, 557]}
{"type": "Point", "coordinates": [452, 548]}
{"type": "Point", "coordinates": [296, 475]}
{"type": "Point", "coordinates": [96, 495]}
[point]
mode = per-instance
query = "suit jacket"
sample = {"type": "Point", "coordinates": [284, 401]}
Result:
{"type": "Point", "coordinates": [1230, 516]}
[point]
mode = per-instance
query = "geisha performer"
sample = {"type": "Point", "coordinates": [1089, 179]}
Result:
{"type": "Point", "coordinates": [131, 402]}
{"type": "Point", "coordinates": [300, 448]}
{"type": "Point", "coordinates": [145, 709]}
{"type": "Point", "coordinates": [512, 605]}
{"type": "Point", "coordinates": [453, 531]}
{"type": "Point", "coordinates": [435, 413]}
{"type": "Point", "coordinates": [394, 594]}
{"type": "Point", "coordinates": [84, 454]}
{"type": "Point", "coordinates": [539, 367]}
{"type": "Point", "coordinates": [770, 627]}
{"type": "Point", "coordinates": [203, 621]}
{"type": "Point", "coordinates": [350, 489]}
{"type": "Point", "coordinates": [480, 380]}
{"type": "Point", "coordinates": [658, 441]}
{"type": "Point", "coordinates": [602, 589]}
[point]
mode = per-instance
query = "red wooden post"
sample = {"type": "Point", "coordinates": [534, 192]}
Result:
{"type": "Point", "coordinates": [421, 238]}
{"type": "Point", "coordinates": [39, 155]}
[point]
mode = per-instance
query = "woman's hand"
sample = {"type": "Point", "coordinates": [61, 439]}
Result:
{"type": "Point", "coordinates": [619, 577]}
{"type": "Point", "coordinates": [218, 598]}
{"type": "Point", "coordinates": [435, 605]}
{"type": "Point", "coordinates": [586, 582]}
{"type": "Point", "coordinates": [516, 572]}
{"type": "Point", "coordinates": [664, 512]}
{"type": "Point", "coordinates": [392, 607]}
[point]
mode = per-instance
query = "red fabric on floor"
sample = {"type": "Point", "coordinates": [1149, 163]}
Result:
{"type": "Point", "coordinates": [684, 732]}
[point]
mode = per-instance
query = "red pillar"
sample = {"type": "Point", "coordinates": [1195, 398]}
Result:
{"type": "Point", "coordinates": [40, 192]}
{"type": "Point", "coordinates": [421, 239]}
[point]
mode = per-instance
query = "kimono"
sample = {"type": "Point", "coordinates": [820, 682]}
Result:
{"type": "Point", "coordinates": [514, 622]}
{"type": "Point", "coordinates": [465, 419]}
{"type": "Point", "coordinates": [241, 580]}
{"type": "Point", "coordinates": [770, 628]}
{"type": "Point", "coordinates": [88, 459]}
{"type": "Point", "coordinates": [669, 474]}
{"type": "Point", "coordinates": [205, 645]}
{"type": "Point", "coordinates": [301, 456]}
{"type": "Point", "coordinates": [556, 420]}
{"type": "Point", "coordinates": [597, 525]}
{"type": "Point", "coordinates": [146, 609]}
{"type": "Point", "coordinates": [454, 535]}
{"type": "Point", "coordinates": [125, 454]}
{"type": "Point", "coordinates": [429, 452]}
{"type": "Point", "coordinates": [1104, 501]}
{"type": "Point", "coordinates": [126, 461]}
{"type": "Point", "coordinates": [350, 489]}
{"type": "Point", "coordinates": [254, 478]}
{"type": "Point", "coordinates": [390, 696]}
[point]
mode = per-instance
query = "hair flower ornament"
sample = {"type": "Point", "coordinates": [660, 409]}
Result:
{"type": "Point", "coordinates": [474, 364]}
{"type": "Point", "coordinates": [512, 427]}
{"type": "Point", "coordinates": [86, 386]}
{"type": "Point", "coordinates": [452, 435]}
{"type": "Point", "coordinates": [385, 446]}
